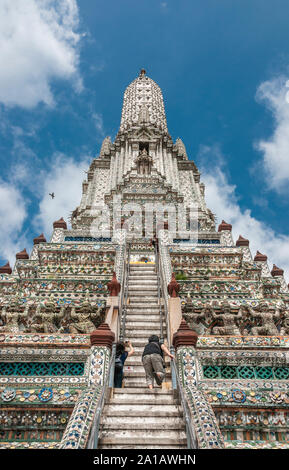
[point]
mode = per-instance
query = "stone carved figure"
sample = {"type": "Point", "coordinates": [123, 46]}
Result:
{"type": "Point", "coordinates": [81, 322]}
{"type": "Point", "coordinates": [229, 321]}
{"type": "Point", "coordinates": [200, 322]}
{"type": "Point", "coordinates": [13, 320]}
{"type": "Point", "coordinates": [144, 163]}
{"type": "Point", "coordinates": [268, 320]}
{"type": "Point", "coordinates": [284, 331]}
{"type": "Point", "coordinates": [45, 319]}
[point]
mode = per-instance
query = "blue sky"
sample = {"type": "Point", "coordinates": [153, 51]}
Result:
{"type": "Point", "coordinates": [222, 67]}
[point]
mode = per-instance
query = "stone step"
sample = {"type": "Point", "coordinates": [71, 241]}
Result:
{"type": "Point", "coordinates": [141, 267]}
{"type": "Point", "coordinates": [142, 325]}
{"type": "Point", "coordinates": [143, 309]}
{"type": "Point", "coordinates": [144, 422]}
{"type": "Point", "coordinates": [137, 370]}
{"type": "Point", "coordinates": [132, 335]}
{"type": "Point", "coordinates": [143, 446]}
{"type": "Point", "coordinates": [142, 282]}
{"type": "Point", "coordinates": [142, 399]}
{"type": "Point", "coordinates": [141, 390]}
{"type": "Point", "coordinates": [143, 299]}
{"type": "Point", "coordinates": [138, 437]}
{"type": "Point", "coordinates": [142, 288]}
{"type": "Point", "coordinates": [136, 360]}
{"type": "Point", "coordinates": [141, 410]}
{"type": "Point", "coordinates": [142, 272]}
{"type": "Point", "coordinates": [139, 342]}
{"type": "Point", "coordinates": [131, 383]}
{"type": "Point", "coordinates": [142, 277]}
{"type": "Point", "coordinates": [146, 302]}
{"type": "Point", "coordinates": [130, 317]}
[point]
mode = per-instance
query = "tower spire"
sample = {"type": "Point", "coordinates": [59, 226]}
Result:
{"type": "Point", "coordinates": [143, 101]}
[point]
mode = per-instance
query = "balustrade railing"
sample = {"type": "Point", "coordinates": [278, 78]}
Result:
{"type": "Point", "coordinates": [177, 386]}
{"type": "Point", "coordinates": [124, 293]}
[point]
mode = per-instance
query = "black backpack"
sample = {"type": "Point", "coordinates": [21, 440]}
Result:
{"type": "Point", "coordinates": [118, 364]}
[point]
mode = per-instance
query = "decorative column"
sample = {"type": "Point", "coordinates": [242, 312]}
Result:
{"type": "Point", "coordinates": [204, 423]}
{"type": "Point", "coordinates": [243, 243]}
{"type": "Point", "coordinates": [261, 261]}
{"type": "Point", "coordinates": [101, 341]}
{"type": "Point", "coordinates": [226, 234]}
{"type": "Point", "coordinates": [279, 274]}
{"type": "Point", "coordinates": [36, 242]}
{"type": "Point", "coordinates": [58, 231]}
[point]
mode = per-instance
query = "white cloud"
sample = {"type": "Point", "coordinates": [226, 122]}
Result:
{"type": "Point", "coordinates": [12, 215]}
{"type": "Point", "coordinates": [98, 122]}
{"type": "Point", "coordinates": [275, 150]}
{"type": "Point", "coordinates": [222, 200]}
{"type": "Point", "coordinates": [39, 42]}
{"type": "Point", "coordinates": [65, 180]}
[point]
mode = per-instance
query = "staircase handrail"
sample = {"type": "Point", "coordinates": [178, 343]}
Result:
{"type": "Point", "coordinates": [192, 442]}
{"type": "Point", "coordinates": [124, 292]}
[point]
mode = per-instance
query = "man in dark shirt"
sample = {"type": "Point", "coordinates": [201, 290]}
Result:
{"type": "Point", "coordinates": [152, 359]}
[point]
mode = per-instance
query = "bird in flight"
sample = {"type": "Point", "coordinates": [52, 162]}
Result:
{"type": "Point", "coordinates": [52, 195]}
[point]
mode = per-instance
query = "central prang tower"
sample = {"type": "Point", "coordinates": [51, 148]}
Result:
{"type": "Point", "coordinates": [142, 165]}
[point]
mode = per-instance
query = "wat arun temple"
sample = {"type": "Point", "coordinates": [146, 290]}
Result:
{"type": "Point", "coordinates": [143, 255]}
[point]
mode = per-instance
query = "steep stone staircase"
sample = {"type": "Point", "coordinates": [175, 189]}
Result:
{"type": "Point", "coordinates": [136, 417]}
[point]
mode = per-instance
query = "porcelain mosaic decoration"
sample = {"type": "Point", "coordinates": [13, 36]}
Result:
{"type": "Point", "coordinates": [236, 380]}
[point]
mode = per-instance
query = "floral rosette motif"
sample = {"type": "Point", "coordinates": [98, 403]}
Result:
{"type": "Point", "coordinates": [239, 396]}
{"type": "Point", "coordinates": [45, 394]}
{"type": "Point", "coordinates": [277, 397]}
{"type": "Point", "coordinates": [8, 394]}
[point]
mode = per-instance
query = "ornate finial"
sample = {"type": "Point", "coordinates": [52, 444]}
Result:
{"type": "Point", "coordinates": [142, 73]}
{"type": "Point", "coordinates": [6, 269]}
{"type": "Point", "coordinates": [40, 239]}
{"type": "Point", "coordinates": [242, 241]}
{"type": "Point", "coordinates": [22, 254]}
{"type": "Point", "coordinates": [185, 336]}
{"type": "Point", "coordinates": [102, 336]}
{"type": "Point", "coordinates": [277, 271]}
{"type": "Point", "coordinates": [224, 226]}
{"type": "Point", "coordinates": [260, 257]}
{"type": "Point", "coordinates": [113, 286]}
{"type": "Point", "coordinates": [173, 287]}
{"type": "Point", "coordinates": [60, 224]}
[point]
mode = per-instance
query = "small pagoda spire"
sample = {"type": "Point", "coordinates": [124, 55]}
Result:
{"type": "Point", "coordinates": [242, 241]}
{"type": "Point", "coordinates": [113, 286]}
{"type": "Point", "coordinates": [22, 254]}
{"type": "Point", "coordinates": [6, 269]}
{"type": "Point", "coordinates": [276, 271]}
{"type": "Point", "coordinates": [260, 257]}
{"type": "Point", "coordinates": [102, 336]}
{"type": "Point", "coordinates": [60, 224]}
{"type": "Point", "coordinates": [224, 226]}
{"type": "Point", "coordinates": [40, 239]}
{"type": "Point", "coordinates": [173, 287]}
{"type": "Point", "coordinates": [184, 336]}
